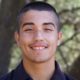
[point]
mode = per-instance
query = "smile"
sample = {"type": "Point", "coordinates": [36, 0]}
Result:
{"type": "Point", "coordinates": [38, 48]}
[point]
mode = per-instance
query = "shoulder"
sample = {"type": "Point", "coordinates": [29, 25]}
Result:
{"type": "Point", "coordinates": [68, 77]}
{"type": "Point", "coordinates": [8, 76]}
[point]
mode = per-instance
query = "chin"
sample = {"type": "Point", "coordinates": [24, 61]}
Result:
{"type": "Point", "coordinates": [42, 60]}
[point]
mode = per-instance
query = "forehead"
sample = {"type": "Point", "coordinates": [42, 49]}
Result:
{"type": "Point", "coordinates": [38, 16]}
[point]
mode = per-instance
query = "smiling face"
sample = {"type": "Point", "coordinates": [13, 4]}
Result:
{"type": "Point", "coordinates": [38, 35]}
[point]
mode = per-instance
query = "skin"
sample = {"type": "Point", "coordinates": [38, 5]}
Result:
{"type": "Point", "coordinates": [38, 38]}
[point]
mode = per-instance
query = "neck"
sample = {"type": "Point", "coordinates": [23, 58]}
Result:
{"type": "Point", "coordinates": [40, 71]}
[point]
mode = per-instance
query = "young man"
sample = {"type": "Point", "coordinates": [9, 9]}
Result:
{"type": "Point", "coordinates": [38, 36]}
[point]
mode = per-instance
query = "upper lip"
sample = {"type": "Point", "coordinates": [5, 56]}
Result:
{"type": "Point", "coordinates": [39, 44]}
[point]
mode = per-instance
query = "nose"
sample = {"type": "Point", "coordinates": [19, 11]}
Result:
{"type": "Point", "coordinates": [39, 36]}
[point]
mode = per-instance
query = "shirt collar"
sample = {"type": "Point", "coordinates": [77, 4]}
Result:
{"type": "Point", "coordinates": [58, 74]}
{"type": "Point", "coordinates": [20, 73]}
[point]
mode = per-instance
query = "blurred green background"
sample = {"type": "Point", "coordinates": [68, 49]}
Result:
{"type": "Point", "coordinates": [68, 52]}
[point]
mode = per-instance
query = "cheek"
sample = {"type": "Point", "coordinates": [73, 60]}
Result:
{"type": "Point", "coordinates": [52, 37]}
{"type": "Point", "coordinates": [53, 40]}
{"type": "Point", "coordinates": [24, 41]}
{"type": "Point", "coordinates": [53, 44]}
{"type": "Point", "coordinates": [25, 38]}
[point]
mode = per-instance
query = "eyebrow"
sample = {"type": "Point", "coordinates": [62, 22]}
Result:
{"type": "Point", "coordinates": [49, 23]}
{"type": "Point", "coordinates": [27, 23]}
{"type": "Point", "coordinates": [46, 23]}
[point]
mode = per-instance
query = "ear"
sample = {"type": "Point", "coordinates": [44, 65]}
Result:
{"type": "Point", "coordinates": [16, 36]}
{"type": "Point", "coordinates": [59, 38]}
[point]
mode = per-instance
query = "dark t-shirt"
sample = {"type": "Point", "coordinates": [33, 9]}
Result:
{"type": "Point", "coordinates": [20, 74]}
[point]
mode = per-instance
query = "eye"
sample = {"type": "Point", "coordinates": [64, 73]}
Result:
{"type": "Point", "coordinates": [48, 29]}
{"type": "Point", "coordinates": [27, 29]}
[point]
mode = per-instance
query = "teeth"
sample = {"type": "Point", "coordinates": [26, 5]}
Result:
{"type": "Point", "coordinates": [38, 48]}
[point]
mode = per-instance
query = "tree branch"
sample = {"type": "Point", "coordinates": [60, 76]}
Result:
{"type": "Point", "coordinates": [69, 10]}
{"type": "Point", "coordinates": [76, 33]}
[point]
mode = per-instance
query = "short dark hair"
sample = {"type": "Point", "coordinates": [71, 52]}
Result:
{"type": "Point", "coordinates": [38, 5]}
